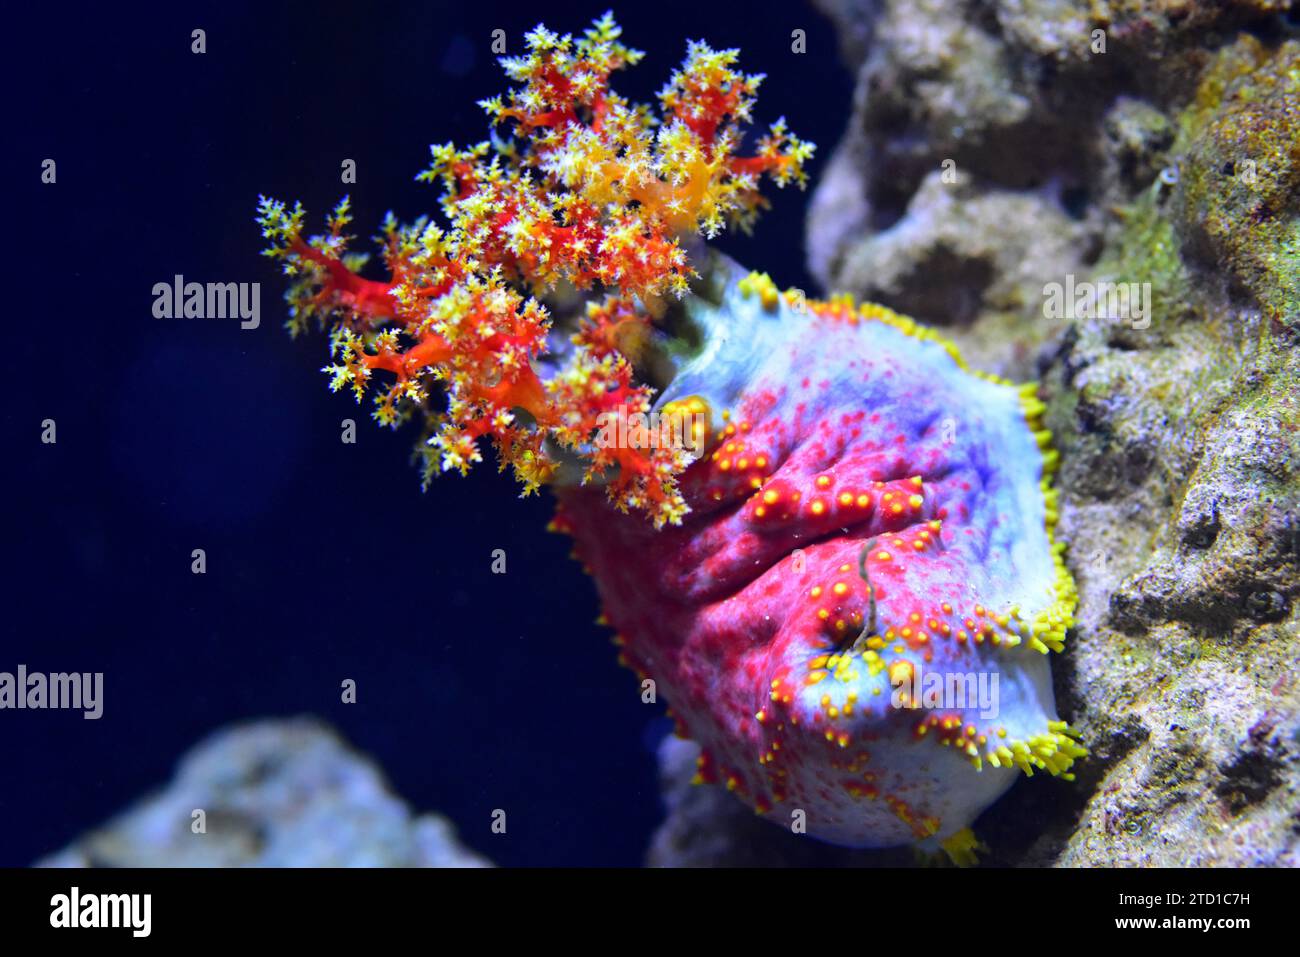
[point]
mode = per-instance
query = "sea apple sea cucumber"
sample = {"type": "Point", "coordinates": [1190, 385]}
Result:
{"type": "Point", "coordinates": [842, 510]}
{"type": "Point", "coordinates": [855, 452]}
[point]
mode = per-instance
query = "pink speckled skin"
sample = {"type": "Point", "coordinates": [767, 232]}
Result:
{"type": "Point", "coordinates": [844, 437]}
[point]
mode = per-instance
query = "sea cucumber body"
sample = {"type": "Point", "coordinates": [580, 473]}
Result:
{"type": "Point", "coordinates": [857, 458]}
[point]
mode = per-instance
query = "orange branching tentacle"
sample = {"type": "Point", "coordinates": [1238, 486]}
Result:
{"type": "Point", "coordinates": [368, 297]}
{"type": "Point", "coordinates": [590, 193]}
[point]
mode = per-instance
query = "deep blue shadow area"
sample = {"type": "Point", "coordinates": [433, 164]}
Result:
{"type": "Point", "coordinates": [325, 561]}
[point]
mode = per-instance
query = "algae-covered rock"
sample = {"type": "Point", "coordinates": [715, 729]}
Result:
{"type": "Point", "coordinates": [1238, 202]}
{"type": "Point", "coordinates": [1182, 499]}
{"type": "Point", "coordinates": [992, 249]}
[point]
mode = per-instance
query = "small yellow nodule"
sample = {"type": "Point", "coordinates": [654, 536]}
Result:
{"type": "Point", "coordinates": [760, 284]}
{"type": "Point", "coordinates": [693, 415]}
{"type": "Point", "coordinates": [961, 847]}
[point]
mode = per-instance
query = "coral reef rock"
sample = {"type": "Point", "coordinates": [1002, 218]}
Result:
{"type": "Point", "coordinates": [281, 793]}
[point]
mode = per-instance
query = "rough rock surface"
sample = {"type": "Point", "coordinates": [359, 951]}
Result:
{"type": "Point", "coordinates": [275, 794]}
{"type": "Point", "coordinates": [1171, 158]}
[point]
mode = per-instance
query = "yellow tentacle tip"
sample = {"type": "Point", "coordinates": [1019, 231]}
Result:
{"type": "Point", "coordinates": [962, 847]}
{"type": "Point", "coordinates": [760, 284]}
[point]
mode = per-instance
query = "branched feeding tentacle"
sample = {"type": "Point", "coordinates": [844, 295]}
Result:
{"type": "Point", "coordinates": [588, 192]}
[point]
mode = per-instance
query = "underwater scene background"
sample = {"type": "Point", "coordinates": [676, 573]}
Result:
{"type": "Point", "coordinates": [1013, 381]}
